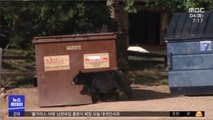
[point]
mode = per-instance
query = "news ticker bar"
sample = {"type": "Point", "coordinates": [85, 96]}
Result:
{"type": "Point", "coordinates": [109, 114]}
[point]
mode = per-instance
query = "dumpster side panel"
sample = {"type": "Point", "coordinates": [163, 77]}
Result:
{"type": "Point", "coordinates": [0, 58]}
{"type": "Point", "coordinates": [192, 47]}
{"type": "Point", "coordinates": [191, 78]}
{"type": "Point", "coordinates": [190, 67]}
{"type": "Point", "coordinates": [191, 90]}
{"type": "Point", "coordinates": [58, 63]}
{"type": "Point", "coordinates": [192, 62]}
{"type": "Point", "coordinates": [54, 87]}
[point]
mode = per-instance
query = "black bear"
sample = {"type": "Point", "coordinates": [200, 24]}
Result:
{"type": "Point", "coordinates": [104, 85]}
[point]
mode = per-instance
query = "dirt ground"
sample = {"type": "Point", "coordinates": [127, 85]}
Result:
{"type": "Point", "coordinates": [146, 98]}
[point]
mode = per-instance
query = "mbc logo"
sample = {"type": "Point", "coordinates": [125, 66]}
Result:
{"type": "Point", "coordinates": [196, 10]}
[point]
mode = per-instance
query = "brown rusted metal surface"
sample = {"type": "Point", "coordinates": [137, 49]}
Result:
{"type": "Point", "coordinates": [60, 58]}
{"type": "Point", "coordinates": [0, 59]}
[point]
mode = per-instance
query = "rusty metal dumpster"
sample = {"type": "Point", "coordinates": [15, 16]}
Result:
{"type": "Point", "coordinates": [0, 60]}
{"type": "Point", "coordinates": [60, 58]}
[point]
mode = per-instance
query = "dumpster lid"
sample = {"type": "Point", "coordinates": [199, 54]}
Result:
{"type": "Point", "coordinates": [183, 27]}
{"type": "Point", "coordinates": [76, 37]}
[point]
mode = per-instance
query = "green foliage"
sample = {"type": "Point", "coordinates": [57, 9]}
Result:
{"type": "Point", "coordinates": [179, 5]}
{"type": "Point", "coordinates": [27, 19]}
{"type": "Point", "coordinates": [129, 6]}
{"type": "Point", "coordinates": [15, 52]}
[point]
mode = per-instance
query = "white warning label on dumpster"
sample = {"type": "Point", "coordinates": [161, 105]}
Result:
{"type": "Point", "coordinates": [55, 63]}
{"type": "Point", "coordinates": [96, 60]}
{"type": "Point", "coordinates": [205, 45]}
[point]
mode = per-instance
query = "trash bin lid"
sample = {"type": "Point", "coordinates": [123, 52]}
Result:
{"type": "Point", "coordinates": [190, 26]}
{"type": "Point", "coordinates": [76, 37]}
